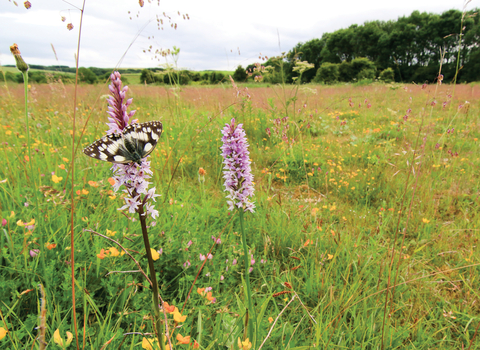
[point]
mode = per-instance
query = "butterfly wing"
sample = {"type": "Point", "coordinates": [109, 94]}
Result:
{"type": "Point", "coordinates": [109, 148]}
{"type": "Point", "coordinates": [135, 142]}
{"type": "Point", "coordinates": [141, 139]}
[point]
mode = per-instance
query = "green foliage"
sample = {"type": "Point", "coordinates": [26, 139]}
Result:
{"type": "Point", "coordinates": [328, 73]}
{"type": "Point", "coordinates": [85, 75]}
{"type": "Point", "coordinates": [410, 45]}
{"type": "Point", "coordinates": [9, 76]}
{"type": "Point", "coordinates": [387, 75]}
{"type": "Point", "coordinates": [346, 72]}
{"type": "Point", "coordinates": [363, 68]}
{"type": "Point", "coordinates": [147, 77]}
{"type": "Point", "coordinates": [239, 75]}
{"type": "Point", "coordinates": [195, 76]}
{"type": "Point", "coordinates": [216, 77]}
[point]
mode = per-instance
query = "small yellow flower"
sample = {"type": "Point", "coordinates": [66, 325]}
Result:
{"type": "Point", "coordinates": [93, 183]}
{"type": "Point", "coordinates": [426, 221]}
{"type": "Point", "coordinates": [270, 319]}
{"type": "Point", "coordinates": [183, 340]}
{"type": "Point", "coordinates": [56, 178]}
{"type": "Point", "coordinates": [147, 344]}
{"type": "Point", "coordinates": [114, 251]}
{"type": "Point", "coordinates": [30, 223]}
{"type": "Point", "coordinates": [66, 160]}
{"type": "Point", "coordinates": [245, 345]}
{"type": "Point", "coordinates": [58, 339]}
{"type": "Point", "coordinates": [101, 255]}
{"type": "Point", "coordinates": [111, 233]}
{"type": "Point", "coordinates": [3, 333]}
{"type": "Point", "coordinates": [330, 256]}
{"type": "Point", "coordinates": [155, 255]}
{"type": "Point", "coordinates": [177, 316]}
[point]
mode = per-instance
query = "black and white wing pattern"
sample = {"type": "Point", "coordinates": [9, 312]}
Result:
{"type": "Point", "coordinates": [132, 145]}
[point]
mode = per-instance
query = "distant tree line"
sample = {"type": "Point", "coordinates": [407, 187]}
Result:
{"type": "Point", "coordinates": [94, 75]}
{"type": "Point", "coordinates": [90, 75]}
{"type": "Point", "coordinates": [410, 49]}
{"type": "Point", "coordinates": [180, 77]}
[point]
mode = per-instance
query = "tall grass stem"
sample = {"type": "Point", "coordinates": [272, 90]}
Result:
{"type": "Point", "coordinates": [72, 209]}
{"type": "Point", "coordinates": [250, 313]}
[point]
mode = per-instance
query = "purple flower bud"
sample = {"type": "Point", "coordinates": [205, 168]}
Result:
{"type": "Point", "coordinates": [189, 243]}
{"type": "Point", "coordinates": [234, 262]}
{"type": "Point", "coordinates": [4, 222]}
{"type": "Point", "coordinates": [210, 257]}
{"type": "Point", "coordinates": [222, 278]}
{"type": "Point", "coordinates": [237, 171]}
{"type": "Point", "coordinates": [250, 270]}
{"type": "Point", "coordinates": [34, 252]}
{"type": "Point", "coordinates": [202, 257]}
{"type": "Point", "coordinates": [186, 264]}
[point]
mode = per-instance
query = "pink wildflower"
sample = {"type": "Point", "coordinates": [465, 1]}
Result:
{"type": "Point", "coordinates": [237, 171]}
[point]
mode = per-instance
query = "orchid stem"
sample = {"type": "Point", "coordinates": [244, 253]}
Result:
{"type": "Point", "coordinates": [153, 277]}
{"type": "Point", "coordinates": [251, 316]}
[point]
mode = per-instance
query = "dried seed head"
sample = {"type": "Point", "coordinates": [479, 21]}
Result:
{"type": "Point", "coordinates": [21, 65]}
{"type": "Point", "coordinates": [27, 4]}
{"type": "Point", "coordinates": [69, 26]}
{"type": "Point", "coordinates": [288, 285]}
{"type": "Point", "coordinates": [281, 293]}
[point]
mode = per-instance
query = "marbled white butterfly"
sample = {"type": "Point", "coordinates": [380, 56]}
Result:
{"type": "Point", "coordinates": [133, 144]}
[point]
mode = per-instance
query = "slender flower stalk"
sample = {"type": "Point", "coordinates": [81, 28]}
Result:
{"type": "Point", "coordinates": [239, 185]}
{"type": "Point", "coordinates": [22, 66]}
{"type": "Point", "coordinates": [134, 178]}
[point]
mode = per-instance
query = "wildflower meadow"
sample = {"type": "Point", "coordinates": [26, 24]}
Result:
{"type": "Point", "coordinates": [239, 216]}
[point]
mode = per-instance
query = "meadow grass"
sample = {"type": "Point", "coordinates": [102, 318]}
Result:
{"type": "Point", "coordinates": [360, 178]}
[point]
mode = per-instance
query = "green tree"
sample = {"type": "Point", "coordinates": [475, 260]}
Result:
{"type": "Point", "coordinates": [387, 75]}
{"type": "Point", "coordinates": [328, 73]}
{"type": "Point", "coordinates": [147, 77]}
{"type": "Point", "coordinates": [363, 68]}
{"type": "Point", "coordinates": [346, 72]}
{"type": "Point", "coordinates": [85, 75]}
{"type": "Point", "coordinates": [239, 75]}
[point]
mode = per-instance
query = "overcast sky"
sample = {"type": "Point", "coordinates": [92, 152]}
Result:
{"type": "Point", "coordinates": [220, 34]}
